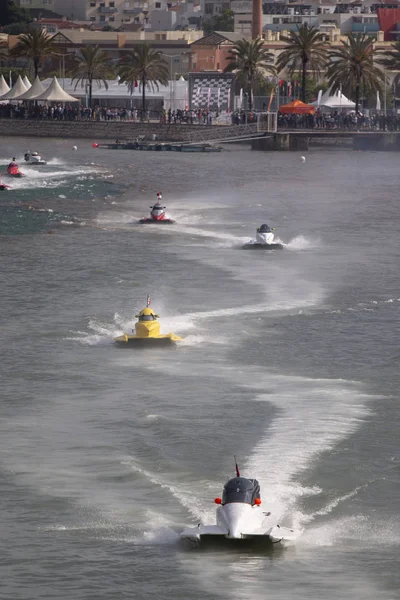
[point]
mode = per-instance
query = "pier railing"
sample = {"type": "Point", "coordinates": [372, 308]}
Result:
{"type": "Point", "coordinates": [265, 123]}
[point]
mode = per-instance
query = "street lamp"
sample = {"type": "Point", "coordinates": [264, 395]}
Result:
{"type": "Point", "coordinates": [62, 63]}
{"type": "Point", "coordinates": [277, 95]}
{"type": "Point", "coordinates": [384, 98]}
{"type": "Point", "coordinates": [87, 89]}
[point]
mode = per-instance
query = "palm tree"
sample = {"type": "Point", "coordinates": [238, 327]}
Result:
{"type": "Point", "coordinates": [305, 50]}
{"type": "Point", "coordinates": [352, 66]}
{"type": "Point", "coordinates": [92, 64]}
{"type": "Point", "coordinates": [143, 66]}
{"type": "Point", "coordinates": [250, 62]}
{"type": "Point", "coordinates": [34, 45]}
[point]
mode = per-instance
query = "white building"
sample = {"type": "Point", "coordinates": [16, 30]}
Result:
{"type": "Point", "coordinates": [43, 4]}
{"type": "Point", "coordinates": [113, 13]}
{"type": "Point", "coordinates": [146, 14]}
{"type": "Point", "coordinates": [328, 15]}
{"type": "Point", "coordinates": [162, 20]}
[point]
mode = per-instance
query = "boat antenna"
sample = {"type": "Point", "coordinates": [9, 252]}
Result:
{"type": "Point", "coordinates": [236, 467]}
{"type": "Point", "coordinates": [148, 300]}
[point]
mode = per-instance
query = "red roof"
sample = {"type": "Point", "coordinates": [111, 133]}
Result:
{"type": "Point", "coordinates": [61, 23]}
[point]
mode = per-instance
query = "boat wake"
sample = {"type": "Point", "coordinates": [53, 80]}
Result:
{"type": "Point", "coordinates": [192, 323]}
{"type": "Point", "coordinates": [313, 416]}
{"type": "Point", "coordinates": [39, 178]}
{"type": "Point", "coordinates": [368, 306]}
{"type": "Point", "coordinates": [300, 242]}
{"type": "Point", "coordinates": [352, 530]}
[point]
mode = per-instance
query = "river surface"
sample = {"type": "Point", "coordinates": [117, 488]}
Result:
{"type": "Point", "coordinates": [290, 360]}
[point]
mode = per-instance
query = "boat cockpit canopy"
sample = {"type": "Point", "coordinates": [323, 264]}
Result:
{"type": "Point", "coordinates": [241, 489]}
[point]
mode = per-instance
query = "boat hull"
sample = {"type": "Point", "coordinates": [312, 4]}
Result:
{"type": "Point", "coordinates": [251, 246]}
{"type": "Point", "coordinates": [147, 342]}
{"type": "Point", "coordinates": [150, 221]}
{"type": "Point", "coordinates": [221, 541]}
{"type": "Point", "coordinates": [212, 535]}
{"type": "Point", "coordinates": [240, 523]}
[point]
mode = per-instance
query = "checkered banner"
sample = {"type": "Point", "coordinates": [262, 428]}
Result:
{"type": "Point", "coordinates": [213, 91]}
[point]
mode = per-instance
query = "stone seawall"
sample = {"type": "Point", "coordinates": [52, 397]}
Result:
{"type": "Point", "coordinates": [112, 130]}
{"type": "Point", "coordinates": [98, 130]}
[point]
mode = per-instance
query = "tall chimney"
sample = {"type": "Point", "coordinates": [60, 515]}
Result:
{"type": "Point", "coordinates": [256, 26]}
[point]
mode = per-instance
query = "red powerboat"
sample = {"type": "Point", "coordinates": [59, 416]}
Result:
{"type": "Point", "coordinates": [13, 170]}
{"type": "Point", "coordinates": [157, 213]}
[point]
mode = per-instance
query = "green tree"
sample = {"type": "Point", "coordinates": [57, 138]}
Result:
{"type": "Point", "coordinates": [352, 68]}
{"type": "Point", "coordinates": [16, 28]}
{"type": "Point", "coordinates": [92, 64]}
{"type": "Point", "coordinates": [312, 88]}
{"type": "Point", "coordinates": [225, 21]}
{"type": "Point", "coordinates": [145, 67]}
{"type": "Point", "coordinates": [15, 72]}
{"type": "Point", "coordinates": [305, 51]}
{"type": "Point", "coordinates": [250, 62]}
{"type": "Point", "coordinates": [10, 13]}
{"type": "Point", "coordinates": [34, 45]}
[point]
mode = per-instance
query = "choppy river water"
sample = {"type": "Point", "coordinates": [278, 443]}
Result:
{"type": "Point", "coordinates": [290, 360]}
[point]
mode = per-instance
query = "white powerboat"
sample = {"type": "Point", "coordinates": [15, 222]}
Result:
{"type": "Point", "coordinates": [240, 518]}
{"type": "Point", "coordinates": [34, 158]}
{"type": "Point", "coordinates": [265, 240]}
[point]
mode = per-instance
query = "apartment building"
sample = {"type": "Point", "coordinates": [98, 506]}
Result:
{"type": "Point", "coordinates": [113, 13]}
{"type": "Point", "coordinates": [39, 4]}
{"type": "Point", "coordinates": [72, 9]}
{"type": "Point", "coordinates": [327, 15]}
{"type": "Point", "coordinates": [119, 12]}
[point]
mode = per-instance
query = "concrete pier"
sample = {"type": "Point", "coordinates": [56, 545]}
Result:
{"type": "Point", "coordinates": [302, 140]}
{"type": "Point", "coordinates": [282, 141]}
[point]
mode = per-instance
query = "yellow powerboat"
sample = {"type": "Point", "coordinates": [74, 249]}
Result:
{"type": "Point", "coordinates": [147, 331]}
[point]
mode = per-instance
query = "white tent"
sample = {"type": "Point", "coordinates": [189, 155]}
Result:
{"type": "Point", "coordinates": [337, 100]}
{"type": "Point", "coordinates": [17, 89]}
{"type": "Point", "coordinates": [4, 88]}
{"type": "Point", "coordinates": [175, 94]}
{"type": "Point", "coordinates": [55, 93]}
{"type": "Point", "coordinates": [35, 90]}
{"type": "Point", "coordinates": [27, 82]}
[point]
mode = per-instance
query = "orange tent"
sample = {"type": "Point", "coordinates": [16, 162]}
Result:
{"type": "Point", "coordinates": [298, 107]}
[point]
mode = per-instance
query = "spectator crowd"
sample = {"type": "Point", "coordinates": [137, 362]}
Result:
{"type": "Point", "coordinates": [336, 120]}
{"type": "Point", "coordinates": [333, 120]}
{"type": "Point", "coordinates": [60, 112]}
